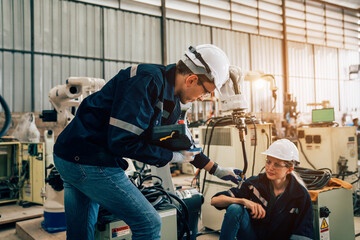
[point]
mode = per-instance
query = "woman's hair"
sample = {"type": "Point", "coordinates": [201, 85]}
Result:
{"type": "Point", "coordinates": [295, 174]}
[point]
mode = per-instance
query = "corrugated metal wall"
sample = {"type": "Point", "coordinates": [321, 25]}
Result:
{"type": "Point", "coordinates": [70, 39]}
{"type": "Point", "coordinates": [181, 35]}
{"type": "Point", "coordinates": [266, 56]}
{"type": "Point", "coordinates": [79, 39]}
{"type": "Point", "coordinates": [301, 74]}
{"type": "Point", "coordinates": [326, 76]}
{"type": "Point", "coordinates": [320, 74]}
{"type": "Point", "coordinates": [14, 66]}
{"type": "Point", "coordinates": [349, 90]}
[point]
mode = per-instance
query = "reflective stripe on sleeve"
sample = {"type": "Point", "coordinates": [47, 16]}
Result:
{"type": "Point", "coordinates": [258, 195]}
{"type": "Point", "coordinates": [231, 193]}
{"type": "Point", "coordinates": [133, 71]}
{"type": "Point", "coordinates": [126, 126]}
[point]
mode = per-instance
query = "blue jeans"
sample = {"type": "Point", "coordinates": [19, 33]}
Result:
{"type": "Point", "coordinates": [237, 223]}
{"type": "Point", "coordinates": [87, 187]}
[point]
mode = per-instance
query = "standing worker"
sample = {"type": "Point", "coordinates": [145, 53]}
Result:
{"type": "Point", "coordinates": [116, 122]}
{"type": "Point", "coordinates": [273, 205]}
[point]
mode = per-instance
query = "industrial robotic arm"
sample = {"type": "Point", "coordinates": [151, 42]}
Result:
{"type": "Point", "coordinates": [66, 97]}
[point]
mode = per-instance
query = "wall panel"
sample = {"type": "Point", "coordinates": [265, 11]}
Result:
{"type": "Point", "coordinates": [266, 56]}
{"type": "Point", "coordinates": [51, 71]}
{"type": "Point", "coordinates": [181, 35]}
{"type": "Point", "coordinates": [301, 74]}
{"type": "Point", "coordinates": [132, 37]}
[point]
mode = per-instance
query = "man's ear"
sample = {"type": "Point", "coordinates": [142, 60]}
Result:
{"type": "Point", "coordinates": [191, 79]}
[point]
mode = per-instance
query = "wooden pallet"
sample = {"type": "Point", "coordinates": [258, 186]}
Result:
{"type": "Point", "coordinates": [14, 213]}
{"type": "Point", "coordinates": [32, 230]}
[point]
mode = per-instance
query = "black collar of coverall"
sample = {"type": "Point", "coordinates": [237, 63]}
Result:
{"type": "Point", "coordinates": [294, 187]}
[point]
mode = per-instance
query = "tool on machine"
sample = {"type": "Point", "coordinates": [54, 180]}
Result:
{"type": "Point", "coordinates": [172, 137]}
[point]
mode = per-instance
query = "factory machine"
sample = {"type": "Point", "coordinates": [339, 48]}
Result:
{"type": "Point", "coordinates": [329, 147]}
{"type": "Point", "coordinates": [22, 172]}
{"type": "Point", "coordinates": [334, 215]}
{"type": "Point", "coordinates": [322, 144]}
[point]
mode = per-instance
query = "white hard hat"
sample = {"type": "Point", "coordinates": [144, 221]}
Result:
{"type": "Point", "coordinates": [284, 150]}
{"type": "Point", "coordinates": [209, 60]}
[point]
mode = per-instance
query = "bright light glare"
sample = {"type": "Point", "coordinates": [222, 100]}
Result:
{"type": "Point", "coordinates": [260, 84]}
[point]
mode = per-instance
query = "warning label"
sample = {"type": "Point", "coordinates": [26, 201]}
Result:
{"type": "Point", "coordinates": [324, 224]}
{"type": "Point", "coordinates": [120, 231]}
{"type": "Point", "coordinates": [324, 229]}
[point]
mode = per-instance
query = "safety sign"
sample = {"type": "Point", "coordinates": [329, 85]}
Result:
{"type": "Point", "coordinates": [324, 228]}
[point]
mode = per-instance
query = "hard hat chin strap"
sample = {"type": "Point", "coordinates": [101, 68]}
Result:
{"type": "Point", "coordinates": [196, 69]}
{"type": "Point", "coordinates": [198, 56]}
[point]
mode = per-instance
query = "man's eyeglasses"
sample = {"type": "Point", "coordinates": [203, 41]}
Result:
{"type": "Point", "coordinates": [206, 92]}
{"type": "Point", "coordinates": [276, 165]}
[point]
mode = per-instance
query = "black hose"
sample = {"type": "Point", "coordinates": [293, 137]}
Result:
{"type": "Point", "coordinates": [6, 126]}
{"type": "Point", "coordinates": [185, 220]}
{"type": "Point", "coordinates": [254, 159]}
{"type": "Point", "coordinates": [306, 158]}
{"type": "Point", "coordinates": [215, 122]}
{"type": "Point", "coordinates": [314, 179]}
{"type": "Point", "coordinates": [245, 157]}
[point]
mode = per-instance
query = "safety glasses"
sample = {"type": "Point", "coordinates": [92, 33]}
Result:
{"type": "Point", "coordinates": [275, 165]}
{"type": "Point", "coordinates": [207, 93]}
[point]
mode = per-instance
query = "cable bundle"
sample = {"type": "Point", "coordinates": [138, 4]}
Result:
{"type": "Point", "coordinates": [314, 179]}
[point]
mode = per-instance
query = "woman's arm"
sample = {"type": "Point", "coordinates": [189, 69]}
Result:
{"type": "Point", "coordinates": [223, 201]}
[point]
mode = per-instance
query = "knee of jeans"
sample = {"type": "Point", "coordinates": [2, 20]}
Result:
{"type": "Point", "coordinates": [155, 225]}
{"type": "Point", "coordinates": [235, 210]}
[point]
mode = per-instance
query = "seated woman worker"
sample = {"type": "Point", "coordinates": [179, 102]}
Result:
{"type": "Point", "coordinates": [272, 205]}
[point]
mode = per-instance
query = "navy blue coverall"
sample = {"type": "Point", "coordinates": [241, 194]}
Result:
{"type": "Point", "coordinates": [116, 121]}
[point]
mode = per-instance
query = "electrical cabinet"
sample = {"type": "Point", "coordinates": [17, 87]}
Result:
{"type": "Point", "coordinates": [334, 215]}
{"type": "Point", "coordinates": [325, 146]}
{"type": "Point", "coordinates": [226, 150]}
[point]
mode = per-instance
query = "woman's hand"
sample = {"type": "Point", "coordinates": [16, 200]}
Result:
{"type": "Point", "coordinates": [256, 210]}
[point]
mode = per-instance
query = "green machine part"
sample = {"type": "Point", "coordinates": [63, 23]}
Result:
{"type": "Point", "coordinates": [339, 224]}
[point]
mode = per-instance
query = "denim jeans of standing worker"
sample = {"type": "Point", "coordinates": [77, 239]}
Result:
{"type": "Point", "coordinates": [86, 187]}
{"type": "Point", "coordinates": [237, 224]}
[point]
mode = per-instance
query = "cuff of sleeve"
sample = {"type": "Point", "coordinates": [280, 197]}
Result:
{"type": "Point", "coordinates": [200, 161]}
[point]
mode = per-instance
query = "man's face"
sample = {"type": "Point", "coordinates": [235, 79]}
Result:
{"type": "Point", "coordinates": [194, 89]}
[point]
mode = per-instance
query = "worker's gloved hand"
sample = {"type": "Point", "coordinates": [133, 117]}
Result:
{"type": "Point", "coordinates": [228, 174]}
{"type": "Point", "coordinates": [185, 155]}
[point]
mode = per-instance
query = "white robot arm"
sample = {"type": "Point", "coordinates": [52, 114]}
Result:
{"type": "Point", "coordinates": [64, 97]}
{"type": "Point", "coordinates": [231, 96]}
